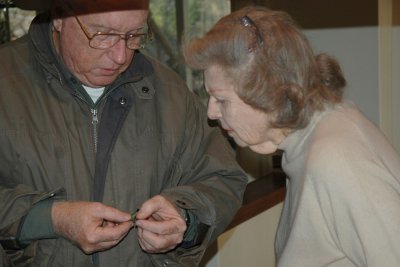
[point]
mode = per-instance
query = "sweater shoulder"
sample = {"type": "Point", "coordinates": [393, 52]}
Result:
{"type": "Point", "coordinates": [340, 143]}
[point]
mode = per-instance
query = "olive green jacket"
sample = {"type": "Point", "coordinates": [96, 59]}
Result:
{"type": "Point", "coordinates": [147, 135]}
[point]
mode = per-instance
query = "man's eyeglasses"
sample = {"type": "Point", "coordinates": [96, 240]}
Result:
{"type": "Point", "coordinates": [249, 23]}
{"type": "Point", "coordinates": [102, 40]}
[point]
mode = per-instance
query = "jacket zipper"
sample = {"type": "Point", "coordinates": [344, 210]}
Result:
{"type": "Point", "coordinates": [95, 121]}
{"type": "Point", "coordinates": [94, 112]}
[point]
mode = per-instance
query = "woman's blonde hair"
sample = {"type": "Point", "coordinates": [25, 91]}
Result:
{"type": "Point", "coordinates": [272, 64]}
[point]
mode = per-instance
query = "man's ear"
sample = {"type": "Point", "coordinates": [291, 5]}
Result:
{"type": "Point", "coordinates": [57, 24]}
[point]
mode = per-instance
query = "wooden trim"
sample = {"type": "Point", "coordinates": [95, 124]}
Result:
{"type": "Point", "coordinates": [317, 14]}
{"type": "Point", "coordinates": [260, 195]}
{"type": "Point", "coordinates": [387, 90]}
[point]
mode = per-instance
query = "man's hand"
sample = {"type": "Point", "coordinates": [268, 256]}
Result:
{"type": "Point", "coordinates": [92, 226]}
{"type": "Point", "coordinates": [160, 226]}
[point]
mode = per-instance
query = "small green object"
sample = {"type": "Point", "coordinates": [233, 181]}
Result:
{"type": "Point", "coordinates": [133, 215]}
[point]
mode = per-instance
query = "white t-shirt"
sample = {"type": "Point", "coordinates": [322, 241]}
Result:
{"type": "Point", "coordinates": [94, 93]}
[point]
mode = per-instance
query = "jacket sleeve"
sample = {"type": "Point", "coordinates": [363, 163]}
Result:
{"type": "Point", "coordinates": [37, 224]}
{"type": "Point", "coordinates": [211, 182]}
{"type": "Point", "coordinates": [15, 204]}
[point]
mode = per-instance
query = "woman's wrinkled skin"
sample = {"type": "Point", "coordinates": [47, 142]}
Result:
{"type": "Point", "coordinates": [248, 127]}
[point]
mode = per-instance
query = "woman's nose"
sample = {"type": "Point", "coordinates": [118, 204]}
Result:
{"type": "Point", "coordinates": [213, 111]}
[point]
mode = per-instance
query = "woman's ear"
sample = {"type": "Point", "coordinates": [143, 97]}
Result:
{"type": "Point", "coordinates": [57, 24]}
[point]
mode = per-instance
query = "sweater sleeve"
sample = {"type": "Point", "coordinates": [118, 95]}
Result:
{"type": "Point", "coordinates": [358, 195]}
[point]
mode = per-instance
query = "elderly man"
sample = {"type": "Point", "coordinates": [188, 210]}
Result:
{"type": "Point", "coordinates": [91, 130]}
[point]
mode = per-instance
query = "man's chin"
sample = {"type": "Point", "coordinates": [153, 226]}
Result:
{"type": "Point", "coordinates": [102, 82]}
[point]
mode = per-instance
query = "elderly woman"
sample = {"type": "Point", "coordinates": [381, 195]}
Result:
{"type": "Point", "coordinates": [269, 91]}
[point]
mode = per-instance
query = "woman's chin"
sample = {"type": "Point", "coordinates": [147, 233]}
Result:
{"type": "Point", "coordinates": [264, 148]}
{"type": "Point", "coordinates": [239, 142]}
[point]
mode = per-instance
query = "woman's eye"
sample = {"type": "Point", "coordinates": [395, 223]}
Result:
{"type": "Point", "coordinates": [217, 101]}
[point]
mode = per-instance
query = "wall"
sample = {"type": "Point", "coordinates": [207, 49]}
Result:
{"type": "Point", "coordinates": [248, 244]}
{"type": "Point", "coordinates": [396, 84]}
{"type": "Point", "coordinates": [357, 51]}
{"type": "Point", "coordinates": [396, 70]}
{"type": "Point", "coordinates": [389, 68]}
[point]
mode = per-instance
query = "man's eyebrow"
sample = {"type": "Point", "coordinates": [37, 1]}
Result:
{"type": "Point", "coordinates": [102, 27]}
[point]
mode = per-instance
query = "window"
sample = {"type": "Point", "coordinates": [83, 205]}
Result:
{"type": "Point", "coordinates": [172, 20]}
{"type": "Point", "coordinates": [14, 22]}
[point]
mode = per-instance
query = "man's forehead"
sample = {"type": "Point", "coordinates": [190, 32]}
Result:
{"type": "Point", "coordinates": [84, 6]}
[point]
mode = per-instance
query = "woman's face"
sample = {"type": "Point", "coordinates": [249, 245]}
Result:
{"type": "Point", "coordinates": [249, 127]}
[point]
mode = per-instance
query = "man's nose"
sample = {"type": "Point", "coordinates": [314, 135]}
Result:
{"type": "Point", "coordinates": [119, 52]}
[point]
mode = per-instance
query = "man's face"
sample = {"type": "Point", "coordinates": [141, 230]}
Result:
{"type": "Point", "coordinates": [96, 67]}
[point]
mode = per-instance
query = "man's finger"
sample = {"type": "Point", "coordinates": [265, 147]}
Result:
{"type": "Point", "coordinates": [115, 215]}
{"type": "Point", "coordinates": [160, 227]}
{"type": "Point", "coordinates": [116, 232]}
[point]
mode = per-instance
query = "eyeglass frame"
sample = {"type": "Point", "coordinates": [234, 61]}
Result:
{"type": "Point", "coordinates": [123, 36]}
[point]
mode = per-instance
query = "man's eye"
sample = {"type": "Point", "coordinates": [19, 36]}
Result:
{"type": "Point", "coordinates": [132, 35]}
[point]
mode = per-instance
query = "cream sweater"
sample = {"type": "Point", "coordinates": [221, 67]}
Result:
{"type": "Point", "coordinates": [342, 206]}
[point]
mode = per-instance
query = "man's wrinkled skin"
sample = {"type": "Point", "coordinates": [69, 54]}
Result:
{"type": "Point", "coordinates": [160, 225]}
{"type": "Point", "coordinates": [91, 226]}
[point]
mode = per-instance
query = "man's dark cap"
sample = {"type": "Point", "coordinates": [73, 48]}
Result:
{"type": "Point", "coordinates": [86, 6]}
{"type": "Point", "coordinates": [38, 5]}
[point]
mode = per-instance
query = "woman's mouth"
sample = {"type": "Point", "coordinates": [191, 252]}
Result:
{"type": "Point", "coordinates": [228, 130]}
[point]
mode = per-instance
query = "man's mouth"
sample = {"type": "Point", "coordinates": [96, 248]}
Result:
{"type": "Point", "coordinates": [109, 71]}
